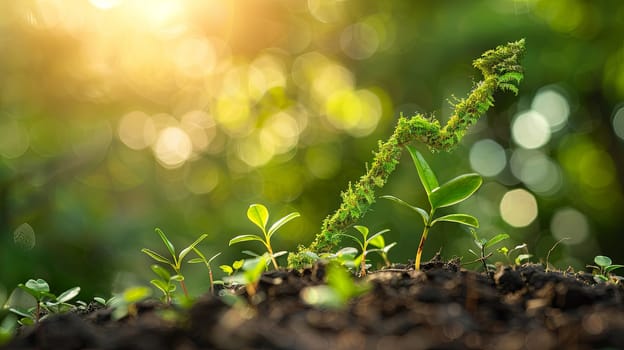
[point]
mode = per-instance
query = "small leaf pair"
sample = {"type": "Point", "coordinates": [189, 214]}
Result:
{"type": "Point", "coordinates": [439, 196]}
{"type": "Point", "coordinates": [259, 215]}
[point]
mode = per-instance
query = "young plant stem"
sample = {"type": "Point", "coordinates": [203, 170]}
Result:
{"type": "Point", "coordinates": [183, 285]}
{"type": "Point", "coordinates": [501, 71]}
{"type": "Point", "coordinates": [270, 250]}
{"type": "Point", "coordinates": [420, 248]}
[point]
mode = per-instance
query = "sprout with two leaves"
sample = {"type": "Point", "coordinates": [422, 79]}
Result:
{"type": "Point", "coordinates": [259, 215]}
{"type": "Point", "coordinates": [452, 192]}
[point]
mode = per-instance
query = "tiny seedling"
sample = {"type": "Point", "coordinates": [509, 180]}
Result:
{"type": "Point", "coordinates": [46, 302]}
{"type": "Point", "coordinates": [251, 274]}
{"type": "Point", "coordinates": [202, 259]}
{"type": "Point", "coordinates": [602, 272]}
{"type": "Point", "coordinates": [363, 243]}
{"type": "Point", "coordinates": [165, 282]}
{"type": "Point", "coordinates": [508, 253]}
{"type": "Point", "coordinates": [383, 248]}
{"type": "Point", "coordinates": [340, 288]}
{"type": "Point", "coordinates": [483, 244]}
{"type": "Point", "coordinates": [344, 257]}
{"type": "Point", "coordinates": [124, 303]}
{"type": "Point", "coordinates": [176, 261]}
{"type": "Point", "coordinates": [452, 192]}
{"type": "Point", "coordinates": [259, 215]}
{"type": "Point", "coordinates": [230, 270]}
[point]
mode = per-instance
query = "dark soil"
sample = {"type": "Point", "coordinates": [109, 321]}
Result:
{"type": "Point", "coordinates": [441, 307]}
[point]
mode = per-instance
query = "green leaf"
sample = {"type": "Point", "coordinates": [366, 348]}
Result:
{"type": "Point", "coordinates": [163, 286]}
{"type": "Point", "coordinates": [195, 261]}
{"type": "Point", "coordinates": [227, 269]}
{"type": "Point", "coordinates": [254, 268]}
{"type": "Point", "coordinates": [378, 234]}
{"type": "Point", "coordinates": [213, 257]}
{"type": "Point", "coordinates": [161, 272]}
{"type": "Point", "coordinates": [156, 256]}
{"type": "Point", "coordinates": [38, 285]}
{"type": "Point", "coordinates": [612, 267]}
{"type": "Point", "coordinates": [281, 222]}
{"type": "Point", "coordinates": [496, 239]}
{"type": "Point", "coordinates": [363, 230]}
{"type": "Point", "coordinates": [259, 215]}
{"type": "Point", "coordinates": [387, 248]}
{"type": "Point", "coordinates": [134, 294]}
{"type": "Point", "coordinates": [238, 264]}
{"type": "Point", "coordinates": [465, 219]}
{"type": "Point", "coordinates": [20, 312]}
{"type": "Point", "coordinates": [245, 238]}
{"type": "Point", "coordinates": [377, 241]}
{"type": "Point", "coordinates": [522, 257]}
{"type": "Point", "coordinates": [186, 250]}
{"type": "Point", "coordinates": [178, 278]}
{"type": "Point", "coordinates": [167, 242]}
{"type": "Point", "coordinates": [280, 253]}
{"type": "Point", "coordinates": [420, 211]}
{"type": "Point", "coordinates": [68, 295]}
{"type": "Point", "coordinates": [426, 175]}
{"type": "Point", "coordinates": [455, 191]}
{"type": "Point", "coordinates": [603, 261]}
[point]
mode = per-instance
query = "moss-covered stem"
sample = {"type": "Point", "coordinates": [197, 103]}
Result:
{"type": "Point", "coordinates": [501, 71]}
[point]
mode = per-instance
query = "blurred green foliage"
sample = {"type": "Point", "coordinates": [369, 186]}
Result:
{"type": "Point", "coordinates": [118, 116]}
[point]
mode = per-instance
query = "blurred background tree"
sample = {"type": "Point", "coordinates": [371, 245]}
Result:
{"type": "Point", "coordinates": [119, 116]}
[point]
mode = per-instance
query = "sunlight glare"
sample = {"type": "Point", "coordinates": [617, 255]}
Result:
{"type": "Point", "coordinates": [173, 147]}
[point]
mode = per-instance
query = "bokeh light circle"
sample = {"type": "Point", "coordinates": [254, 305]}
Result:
{"type": "Point", "coordinates": [487, 157]}
{"type": "Point", "coordinates": [518, 208]}
{"type": "Point", "coordinates": [553, 106]}
{"type": "Point", "coordinates": [530, 130]}
{"type": "Point", "coordinates": [569, 224]}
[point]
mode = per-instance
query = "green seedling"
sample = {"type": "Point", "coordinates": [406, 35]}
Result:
{"type": "Point", "coordinates": [165, 283]}
{"type": "Point", "coordinates": [602, 272]}
{"type": "Point", "coordinates": [8, 325]}
{"type": "Point", "coordinates": [202, 259]}
{"type": "Point", "coordinates": [252, 270]}
{"type": "Point", "coordinates": [382, 249]}
{"type": "Point", "coordinates": [340, 288]}
{"type": "Point", "coordinates": [259, 215]}
{"type": "Point", "coordinates": [124, 303]}
{"type": "Point", "coordinates": [230, 270]}
{"type": "Point", "coordinates": [176, 261]}
{"type": "Point", "coordinates": [46, 302]}
{"type": "Point", "coordinates": [452, 192]}
{"type": "Point", "coordinates": [508, 253]}
{"type": "Point", "coordinates": [483, 244]}
{"type": "Point", "coordinates": [344, 257]}
{"type": "Point", "coordinates": [363, 243]}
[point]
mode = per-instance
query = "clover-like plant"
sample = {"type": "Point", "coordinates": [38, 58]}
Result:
{"type": "Point", "coordinates": [259, 215]}
{"type": "Point", "coordinates": [363, 243]}
{"type": "Point", "coordinates": [46, 302]}
{"type": "Point", "coordinates": [520, 258]}
{"type": "Point", "coordinates": [231, 269]}
{"type": "Point", "coordinates": [340, 288]}
{"type": "Point", "coordinates": [483, 244]}
{"type": "Point", "coordinates": [452, 192]}
{"type": "Point", "coordinates": [382, 248]}
{"type": "Point", "coordinates": [176, 260]}
{"type": "Point", "coordinates": [202, 259]}
{"type": "Point", "coordinates": [602, 272]}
